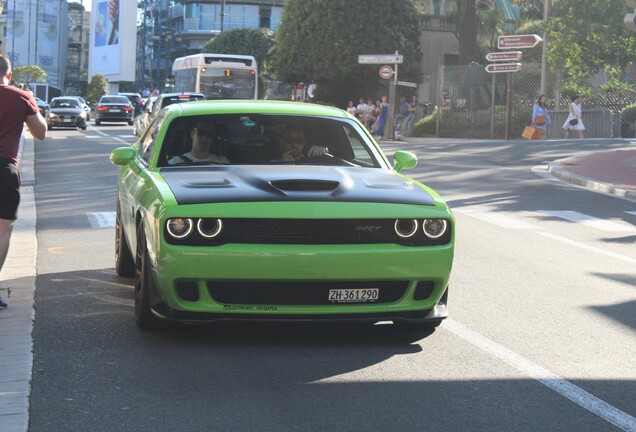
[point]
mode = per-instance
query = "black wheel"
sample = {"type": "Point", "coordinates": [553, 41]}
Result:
{"type": "Point", "coordinates": [83, 127]}
{"type": "Point", "coordinates": [49, 127]}
{"type": "Point", "coordinates": [144, 317]}
{"type": "Point", "coordinates": [130, 123]}
{"type": "Point", "coordinates": [97, 122]}
{"type": "Point", "coordinates": [124, 262]}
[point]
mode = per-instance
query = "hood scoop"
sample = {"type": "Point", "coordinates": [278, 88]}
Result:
{"type": "Point", "coordinates": [305, 185]}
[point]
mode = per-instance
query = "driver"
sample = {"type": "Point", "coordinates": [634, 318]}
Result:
{"type": "Point", "coordinates": [292, 146]}
{"type": "Point", "coordinates": [206, 146]}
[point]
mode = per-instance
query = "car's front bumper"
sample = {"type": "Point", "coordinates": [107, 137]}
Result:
{"type": "Point", "coordinates": [293, 281]}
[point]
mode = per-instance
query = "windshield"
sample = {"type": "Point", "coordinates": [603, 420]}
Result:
{"type": "Point", "coordinates": [267, 140]}
{"type": "Point", "coordinates": [65, 103]}
{"type": "Point", "coordinates": [228, 84]}
{"type": "Point", "coordinates": [114, 100]}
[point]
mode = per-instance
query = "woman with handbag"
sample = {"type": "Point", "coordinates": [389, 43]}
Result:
{"type": "Point", "coordinates": [574, 122]}
{"type": "Point", "coordinates": [540, 116]}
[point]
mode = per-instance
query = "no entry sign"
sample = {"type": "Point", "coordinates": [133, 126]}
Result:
{"type": "Point", "coordinates": [386, 72]}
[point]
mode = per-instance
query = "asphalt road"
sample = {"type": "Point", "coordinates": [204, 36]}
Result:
{"type": "Point", "coordinates": [541, 334]}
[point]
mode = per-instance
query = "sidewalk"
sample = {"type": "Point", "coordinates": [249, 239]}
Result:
{"type": "Point", "coordinates": [16, 322]}
{"type": "Point", "coordinates": [612, 172]}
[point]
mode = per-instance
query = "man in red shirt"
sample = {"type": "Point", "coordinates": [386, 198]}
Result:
{"type": "Point", "coordinates": [16, 107]}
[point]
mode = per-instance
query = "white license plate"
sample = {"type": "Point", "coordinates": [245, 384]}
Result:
{"type": "Point", "coordinates": [114, 110]}
{"type": "Point", "coordinates": [67, 120]}
{"type": "Point", "coordinates": [358, 295]}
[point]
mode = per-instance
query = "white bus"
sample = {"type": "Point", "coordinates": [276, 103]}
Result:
{"type": "Point", "coordinates": [217, 76]}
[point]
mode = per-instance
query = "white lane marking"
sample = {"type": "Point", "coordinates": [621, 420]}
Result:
{"type": "Point", "coordinates": [590, 221]}
{"type": "Point", "coordinates": [561, 386]}
{"type": "Point", "coordinates": [59, 137]}
{"type": "Point", "coordinates": [101, 219]}
{"type": "Point", "coordinates": [92, 136]}
{"type": "Point", "coordinates": [127, 136]}
{"type": "Point", "coordinates": [631, 212]}
{"type": "Point", "coordinates": [498, 219]}
{"type": "Point", "coordinates": [587, 247]}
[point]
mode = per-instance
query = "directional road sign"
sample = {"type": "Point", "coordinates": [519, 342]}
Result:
{"type": "Point", "coordinates": [407, 84]}
{"type": "Point", "coordinates": [518, 41]}
{"type": "Point", "coordinates": [502, 67]}
{"type": "Point", "coordinates": [386, 72]}
{"type": "Point", "coordinates": [380, 58]}
{"type": "Point", "coordinates": [504, 56]}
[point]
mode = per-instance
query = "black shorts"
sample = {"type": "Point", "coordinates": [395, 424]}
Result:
{"type": "Point", "coordinates": [9, 189]}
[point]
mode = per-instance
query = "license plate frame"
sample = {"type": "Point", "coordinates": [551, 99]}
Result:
{"type": "Point", "coordinates": [354, 295]}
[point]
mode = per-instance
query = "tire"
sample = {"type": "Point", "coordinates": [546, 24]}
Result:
{"type": "Point", "coordinates": [83, 127]}
{"type": "Point", "coordinates": [124, 262]}
{"type": "Point", "coordinates": [130, 123]}
{"type": "Point", "coordinates": [97, 122]}
{"type": "Point", "coordinates": [49, 127]}
{"type": "Point", "coordinates": [144, 317]}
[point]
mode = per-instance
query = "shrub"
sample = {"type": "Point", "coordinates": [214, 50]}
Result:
{"type": "Point", "coordinates": [628, 118]}
{"type": "Point", "coordinates": [425, 126]}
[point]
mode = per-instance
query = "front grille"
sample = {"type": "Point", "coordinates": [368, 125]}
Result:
{"type": "Point", "coordinates": [297, 293]}
{"type": "Point", "coordinates": [310, 231]}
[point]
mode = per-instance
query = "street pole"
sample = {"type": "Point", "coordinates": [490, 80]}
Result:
{"type": "Point", "coordinates": [222, 14]}
{"type": "Point", "coordinates": [546, 8]}
{"type": "Point", "coordinates": [389, 130]}
{"type": "Point", "coordinates": [508, 105]}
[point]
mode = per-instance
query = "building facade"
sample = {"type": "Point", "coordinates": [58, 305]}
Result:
{"type": "Point", "coordinates": [36, 33]}
{"type": "Point", "coordinates": [169, 29]}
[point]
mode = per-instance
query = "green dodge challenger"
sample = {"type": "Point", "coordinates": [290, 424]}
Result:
{"type": "Point", "coordinates": [260, 210]}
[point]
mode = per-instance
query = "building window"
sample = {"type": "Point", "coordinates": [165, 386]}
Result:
{"type": "Point", "coordinates": [265, 14]}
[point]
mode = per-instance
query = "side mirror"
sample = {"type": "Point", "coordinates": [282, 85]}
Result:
{"type": "Point", "coordinates": [403, 160]}
{"type": "Point", "coordinates": [122, 155]}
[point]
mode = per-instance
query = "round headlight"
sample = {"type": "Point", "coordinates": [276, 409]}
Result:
{"type": "Point", "coordinates": [210, 228]}
{"type": "Point", "coordinates": [434, 228]}
{"type": "Point", "coordinates": [179, 228]}
{"type": "Point", "coordinates": [406, 228]}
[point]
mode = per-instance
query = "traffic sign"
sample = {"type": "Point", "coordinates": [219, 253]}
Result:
{"type": "Point", "coordinates": [502, 67]}
{"type": "Point", "coordinates": [407, 84]}
{"type": "Point", "coordinates": [504, 56]}
{"type": "Point", "coordinates": [386, 72]}
{"type": "Point", "coordinates": [518, 41]}
{"type": "Point", "coordinates": [380, 58]}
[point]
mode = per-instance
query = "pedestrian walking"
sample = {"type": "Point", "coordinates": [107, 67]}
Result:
{"type": "Point", "coordinates": [574, 120]}
{"type": "Point", "coordinates": [16, 107]}
{"type": "Point", "coordinates": [378, 126]}
{"type": "Point", "coordinates": [541, 116]}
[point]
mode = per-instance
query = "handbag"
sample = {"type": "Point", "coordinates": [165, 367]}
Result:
{"type": "Point", "coordinates": [530, 133]}
{"type": "Point", "coordinates": [574, 122]}
{"type": "Point", "coordinates": [540, 120]}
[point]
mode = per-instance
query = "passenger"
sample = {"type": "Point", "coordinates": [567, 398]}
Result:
{"type": "Point", "coordinates": [206, 147]}
{"type": "Point", "coordinates": [292, 146]}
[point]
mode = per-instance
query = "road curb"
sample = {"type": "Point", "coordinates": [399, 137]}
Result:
{"type": "Point", "coordinates": [556, 169]}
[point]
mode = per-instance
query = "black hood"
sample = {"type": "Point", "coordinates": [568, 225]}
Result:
{"type": "Point", "coordinates": [249, 183]}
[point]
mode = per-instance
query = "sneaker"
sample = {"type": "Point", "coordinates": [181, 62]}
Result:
{"type": "Point", "coordinates": [3, 305]}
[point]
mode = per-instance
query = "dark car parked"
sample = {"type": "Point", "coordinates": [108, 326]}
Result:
{"type": "Point", "coordinates": [44, 107]}
{"type": "Point", "coordinates": [116, 108]}
{"type": "Point", "coordinates": [136, 100]}
{"type": "Point", "coordinates": [167, 99]}
{"type": "Point", "coordinates": [66, 112]}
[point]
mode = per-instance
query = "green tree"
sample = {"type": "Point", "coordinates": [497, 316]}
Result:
{"type": "Point", "coordinates": [28, 74]}
{"type": "Point", "coordinates": [320, 40]}
{"type": "Point", "coordinates": [96, 88]}
{"type": "Point", "coordinates": [583, 40]}
{"type": "Point", "coordinates": [245, 41]}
